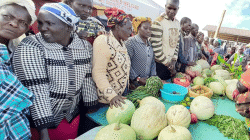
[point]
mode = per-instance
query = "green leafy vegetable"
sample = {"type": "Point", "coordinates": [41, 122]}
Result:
{"type": "Point", "coordinates": [208, 80]}
{"type": "Point", "coordinates": [230, 127]}
{"type": "Point", "coordinates": [152, 88]}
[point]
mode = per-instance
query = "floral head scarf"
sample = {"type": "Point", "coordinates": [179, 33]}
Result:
{"type": "Point", "coordinates": [137, 22]}
{"type": "Point", "coordinates": [115, 16]}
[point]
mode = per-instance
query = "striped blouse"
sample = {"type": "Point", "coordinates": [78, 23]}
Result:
{"type": "Point", "coordinates": [60, 77]}
{"type": "Point", "coordinates": [141, 57]}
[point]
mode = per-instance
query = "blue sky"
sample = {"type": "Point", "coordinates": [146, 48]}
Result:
{"type": "Point", "coordinates": [208, 12]}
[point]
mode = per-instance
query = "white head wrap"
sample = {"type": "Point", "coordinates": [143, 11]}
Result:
{"type": "Point", "coordinates": [28, 4]}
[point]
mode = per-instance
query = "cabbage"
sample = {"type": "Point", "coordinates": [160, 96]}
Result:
{"type": "Point", "coordinates": [198, 81]}
{"type": "Point", "coordinates": [230, 89]}
{"type": "Point", "coordinates": [231, 81]}
{"type": "Point", "coordinates": [216, 67]}
{"type": "Point", "coordinates": [221, 80]}
{"type": "Point", "coordinates": [204, 64]}
{"type": "Point", "coordinates": [223, 73]}
{"type": "Point", "coordinates": [217, 88]}
{"type": "Point", "coordinates": [196, 68]}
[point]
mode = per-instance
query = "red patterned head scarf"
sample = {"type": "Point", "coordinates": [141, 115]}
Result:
{"type": "Point", "coordinates": [115, 16]}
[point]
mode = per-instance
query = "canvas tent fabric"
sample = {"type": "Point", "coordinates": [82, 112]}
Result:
{"type": "Point", "coordinates": [146, 8]}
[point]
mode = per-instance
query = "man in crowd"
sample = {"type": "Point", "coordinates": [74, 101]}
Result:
{"type": "Point", "coordinates": [185, 30]}
{"type": "Point", "coordinates": [165, 40]}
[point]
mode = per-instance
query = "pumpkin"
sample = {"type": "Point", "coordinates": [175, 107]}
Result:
{"type": "Point", "coordinates": [230, 89]}
{"type": "Point", "coordinates": [196, 68]}
{"type": "Point", "coordinates": [221, 80]}
{"type": "Point", "coordinates": [216, 67]}
{"type": "Point", "coordinates": [122, 114]}
{"type": "Point", "coordinates": [203, 63]}
{"type": "Point", "coordinates": [175, 132]}
{"type": "Point", "coordinates": [223, 73]}
{"type": "Point", "coordinates": [217, 88]}
{"type": "Point", "coordinates": [148, 120]}
{"type": "Point", "coordinates": [178, 115]}
{"type": "Point", "coordinates": [198, 81]}
{"type": "Point", "coordinates": [231, 81]}
{"type": "Point", "coordinates": [116, 131]}
{"type": "Point", "coordinates": [202, 107]}
{"type": "Point", "coordinates": [151, 100]}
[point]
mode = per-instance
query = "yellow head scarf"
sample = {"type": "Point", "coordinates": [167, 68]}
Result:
{"type": "Point", "coordinates": [137, 22]}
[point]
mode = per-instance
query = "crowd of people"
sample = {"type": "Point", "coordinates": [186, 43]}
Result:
{"type": "Point", "coordinates": [49, 81]}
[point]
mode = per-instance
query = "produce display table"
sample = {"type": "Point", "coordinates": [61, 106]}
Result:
{"type": "Point", "coordinates": [199, 131]}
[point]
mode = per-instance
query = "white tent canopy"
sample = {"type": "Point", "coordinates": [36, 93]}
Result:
{"type": "Point", "coordinates": [146, 8]}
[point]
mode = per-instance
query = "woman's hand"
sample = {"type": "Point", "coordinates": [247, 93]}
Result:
{"type": "Point", "coordinates": [44, 134]}
{"type": "Point", "coordinates": [243, 110]}
{"type": "Point", "coordinates": [116, 101]}
{"type": "Point", "coordinates": [142, 81]}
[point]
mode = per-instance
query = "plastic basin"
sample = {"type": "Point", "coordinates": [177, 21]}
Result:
{"type": "Point", "coordinates": [166, 92]}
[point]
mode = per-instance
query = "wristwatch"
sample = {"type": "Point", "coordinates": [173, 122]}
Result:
{"type": "Point", "coordinates": [138, 79]}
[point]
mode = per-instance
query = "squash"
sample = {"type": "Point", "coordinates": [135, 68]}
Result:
{"type": "Point", "coordinates": [216, 67]}
{"type": "Point", "coordinates": [121, 114]}
{"type": "Point", "coordinates": [230, 89]}
{"type": "Point", "coordinates": [175, 132]}
{"type": "Point", "coordinates": [116, 131]}
{"type": "Point", "coordinates": [221, 80]}
{"type": "Point", "coordinates": [217, 88]}
{"type": "Point", "coordinates": [203, 63]}
{"type": "Point", "coordinates": [202, 107]}
{"type": "Point", "coordinates": [223, 73]}
{"type": "Point", "coordinates": [178, 115]}
{"type": "Point", "coordinates": [151, 100]}
{"type": "Point", "coordinates": [148, 120]}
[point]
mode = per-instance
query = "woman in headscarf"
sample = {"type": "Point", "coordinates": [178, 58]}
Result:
{"type": "Point", "coordinates": [15, 99]}
{"type": "Point", "coordinates": [141, 53]}
{"type": "Point", "coordinates": [55, 65]}
{"type": "Point", "coordinates": [241, 96]}
{"type": "Point", "coordinates": [111, 62]}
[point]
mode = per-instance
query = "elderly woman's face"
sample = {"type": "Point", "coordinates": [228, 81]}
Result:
{"type": "Point", "coordinates": [14, 21]}
{"type": "Point", "coordinates": [83, 8]}
{"type": "Point", "coordinates": [125, 31]}
{"type": "Point", "coordinates": [52, 29]}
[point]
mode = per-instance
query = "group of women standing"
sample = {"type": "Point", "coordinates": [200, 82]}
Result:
{"type": "Point", "coordinates": [53, 77]}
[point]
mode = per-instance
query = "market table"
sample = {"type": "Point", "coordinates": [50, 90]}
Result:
{"type": "Point", "coordinates": [199, 131]}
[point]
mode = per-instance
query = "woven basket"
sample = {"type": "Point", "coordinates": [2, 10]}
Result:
{"type": "Point", "coordinates": [208, 92]}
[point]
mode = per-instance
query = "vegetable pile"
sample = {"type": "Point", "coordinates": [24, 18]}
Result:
{"type": "Point", "coordinates": [230, 127]}
{"type": "Point", "coordinates": [152, 88]}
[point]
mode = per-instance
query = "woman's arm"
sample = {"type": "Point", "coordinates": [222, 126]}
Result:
{"type": "Point", "coordinates": [101, 57]}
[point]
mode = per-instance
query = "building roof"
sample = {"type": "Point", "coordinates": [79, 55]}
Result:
{"type": "Point", "coordinates": [226, 30]}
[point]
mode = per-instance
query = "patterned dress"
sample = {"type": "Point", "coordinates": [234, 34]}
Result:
{"type": "Point", "coordinates": [60, 77]}
{"type": "Point", "coordinates": [111, 66]}
{"type": "Point", "coordinates": [15, 100]}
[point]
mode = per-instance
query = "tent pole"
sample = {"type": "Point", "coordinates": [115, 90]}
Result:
{"type": "Point", "coordinates": [218, 28]}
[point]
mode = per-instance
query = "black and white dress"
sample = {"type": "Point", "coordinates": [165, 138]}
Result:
{"type": "Point", "coordinates": [60, 77]}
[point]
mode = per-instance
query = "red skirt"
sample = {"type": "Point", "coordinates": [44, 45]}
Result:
{"type": "Point", "coordinates": [64, 130]}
